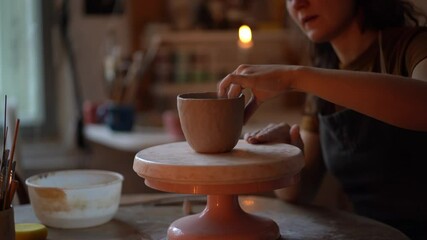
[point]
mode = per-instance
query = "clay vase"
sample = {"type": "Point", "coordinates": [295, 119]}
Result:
{"type": "Point", "coordinates": [211, 124]}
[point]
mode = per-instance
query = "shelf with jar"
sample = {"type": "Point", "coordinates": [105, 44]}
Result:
{"type": "Point", "coordinates": [196, 60]}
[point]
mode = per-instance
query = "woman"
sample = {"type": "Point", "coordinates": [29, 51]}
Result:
{"type": "Point", "coordinates": [368, 121]}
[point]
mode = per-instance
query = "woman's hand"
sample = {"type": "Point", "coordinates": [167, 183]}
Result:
{"type": "Point", "coordinates": [265, 82]}
{"type": "Point", "coordinates": [276, 133]}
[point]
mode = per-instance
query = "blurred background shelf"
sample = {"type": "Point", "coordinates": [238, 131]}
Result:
{"type": "Point", "coordinates": [196, 60]}
{"type": "Point", "coordinates": [172, 90]}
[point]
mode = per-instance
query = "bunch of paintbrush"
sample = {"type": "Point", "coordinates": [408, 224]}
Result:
{"type": "Point", "coordinates": [8, 184]}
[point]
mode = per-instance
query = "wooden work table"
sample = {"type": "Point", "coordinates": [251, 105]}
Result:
{"type": "Point", "coordinates": [147, 216]}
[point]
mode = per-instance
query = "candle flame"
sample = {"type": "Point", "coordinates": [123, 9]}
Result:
{"type": "Point", "coordinates": [245, 34]}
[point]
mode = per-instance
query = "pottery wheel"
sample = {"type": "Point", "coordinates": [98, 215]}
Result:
{"type": "Point", "coordinates": [178, 164]}
{"type": "Point", "coordinates": [248, 168]}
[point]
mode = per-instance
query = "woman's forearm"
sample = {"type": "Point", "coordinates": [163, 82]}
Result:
{"type": "Point", "coordinates": [392, 99]}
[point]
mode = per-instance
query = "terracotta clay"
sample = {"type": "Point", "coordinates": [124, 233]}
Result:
{"type": "Point", "coordinates": [210, 124]}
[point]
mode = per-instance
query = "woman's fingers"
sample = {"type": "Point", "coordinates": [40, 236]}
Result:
{"type": "Point", "coordinates": [278, 133]}
{"type": "Point", "coordinates": [235, 81]}
{"type": "Point", "coordinates": [234, 91]}
{"type": "Point", "coordinates": [232, 83]}
{"type": "Point", "coordinates": [295, 135]}
{"type": "Point", "coordinates": [250, 137]}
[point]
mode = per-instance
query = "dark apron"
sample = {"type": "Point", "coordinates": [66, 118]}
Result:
{"type": "Point", "coordinates": [382, 168]}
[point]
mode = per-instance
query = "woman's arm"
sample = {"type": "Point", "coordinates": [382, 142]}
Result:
{"type": "Point", "coordinates": [396, 100]}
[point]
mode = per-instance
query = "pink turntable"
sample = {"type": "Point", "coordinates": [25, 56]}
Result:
{"type": "Point", "coordinates": [248, 168]}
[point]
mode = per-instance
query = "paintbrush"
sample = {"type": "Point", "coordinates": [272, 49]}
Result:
{"type": "Point", "coordinates": [8, 184]}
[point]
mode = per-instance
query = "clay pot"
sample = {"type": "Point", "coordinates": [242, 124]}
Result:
{"type": "Point", "coordinates": [211, 124]}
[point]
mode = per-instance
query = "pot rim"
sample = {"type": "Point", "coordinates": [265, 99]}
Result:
{"type": "Point", "coordinates": [206, 96]}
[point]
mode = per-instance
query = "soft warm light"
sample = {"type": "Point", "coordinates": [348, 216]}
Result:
{"type": "Point", "coordinates": [245, 36]}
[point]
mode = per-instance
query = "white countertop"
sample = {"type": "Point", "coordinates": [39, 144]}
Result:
{"type": "Point", "coordinates": [139, 138]}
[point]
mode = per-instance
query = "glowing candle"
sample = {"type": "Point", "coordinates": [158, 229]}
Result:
{"type": "Point", "coordinates": [245, 43]}
{"type": "Point", "coordinates": [245, 37]}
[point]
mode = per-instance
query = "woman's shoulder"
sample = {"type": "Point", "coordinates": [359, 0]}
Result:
{"type": "Point", "coordinates": [403, 36]}
{"type": "Point", "coordinates": [404, 32]}
{"type": "Point", "coordinates": [405, 47]}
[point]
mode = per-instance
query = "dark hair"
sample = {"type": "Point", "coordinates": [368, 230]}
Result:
{"type": "Point", "coordinates": [376, 15]}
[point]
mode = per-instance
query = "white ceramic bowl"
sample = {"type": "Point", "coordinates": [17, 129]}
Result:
{"type": "Point", "coordinates": [75, 198]}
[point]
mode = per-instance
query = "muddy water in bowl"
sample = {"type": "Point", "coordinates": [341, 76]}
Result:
{"type": "Point", "coordinates": [75, 198]}
{"type": "Point", "coordinates": [211, 124]}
